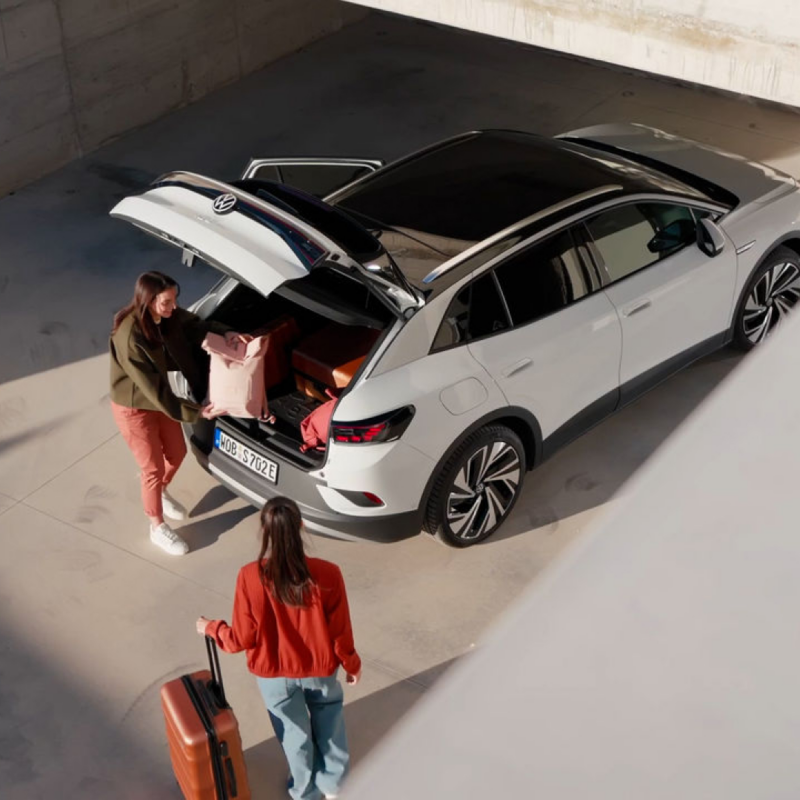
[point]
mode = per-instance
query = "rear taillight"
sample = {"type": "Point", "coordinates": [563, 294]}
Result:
{"type": "Point", "coordinates": [384, 428]}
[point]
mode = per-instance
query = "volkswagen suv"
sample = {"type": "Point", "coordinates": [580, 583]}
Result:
{"type": "Point", "coordinates": [473, 307]}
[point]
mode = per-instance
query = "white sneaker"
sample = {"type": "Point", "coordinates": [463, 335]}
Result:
{"type": "Point", "coordinates": [168, 540]}
{"type": "Point", "coordinates": [172, 508]}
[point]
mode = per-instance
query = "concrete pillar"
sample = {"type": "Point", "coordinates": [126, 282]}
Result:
{"type": "Point", "coordinates": [746, 46]}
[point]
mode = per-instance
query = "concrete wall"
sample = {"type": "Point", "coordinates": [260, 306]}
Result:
{"type": "Point", "coordinates": [746, 46]}
{"type": "Point", "coordinates": [76, 73]}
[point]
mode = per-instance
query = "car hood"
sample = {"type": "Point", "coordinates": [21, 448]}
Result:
{"type": "Point", "coordinates": [749, 181]}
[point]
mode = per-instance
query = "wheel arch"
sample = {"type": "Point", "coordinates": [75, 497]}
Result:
{"type": "Point", "coordinates": [519, 420]}
{"type": "Point", "coordinates": [792, 241]}
{"type": "Point", "coordinates": [789, 240]}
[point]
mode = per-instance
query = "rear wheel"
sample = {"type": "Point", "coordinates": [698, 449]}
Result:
{"type": "Point", "coordinates": [771, 293]}
{"type": "Point", "coordinates": [477, 488]}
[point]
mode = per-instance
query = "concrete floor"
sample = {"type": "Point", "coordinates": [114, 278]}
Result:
{"type": "Point", "coordinates": [93, 619]}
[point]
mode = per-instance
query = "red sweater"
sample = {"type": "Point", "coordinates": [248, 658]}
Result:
{"type": "Point", "coordinates": [290, 641]}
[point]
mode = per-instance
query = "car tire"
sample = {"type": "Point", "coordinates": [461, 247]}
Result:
{"type": "Point", "coordinates": [770, 294]}
{"type": "Point", "coordinates": [477, 487]}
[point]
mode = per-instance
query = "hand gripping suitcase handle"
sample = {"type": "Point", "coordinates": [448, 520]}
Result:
{"type": "Point", "coordinates": [216, 673]}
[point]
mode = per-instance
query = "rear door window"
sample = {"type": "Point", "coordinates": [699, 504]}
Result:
{"type": "Point", "coordinates": [544, 278]}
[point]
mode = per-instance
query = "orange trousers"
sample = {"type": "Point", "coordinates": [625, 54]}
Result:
{"type": "Point", "coordinates": [158, 446]}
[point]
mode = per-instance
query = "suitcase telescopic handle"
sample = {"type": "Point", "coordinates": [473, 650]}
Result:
{"type": "Point", "coordinates": [216, 673]}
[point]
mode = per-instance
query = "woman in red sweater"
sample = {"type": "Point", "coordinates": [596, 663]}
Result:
{"type": "Point", "coordinates": [290, 613]}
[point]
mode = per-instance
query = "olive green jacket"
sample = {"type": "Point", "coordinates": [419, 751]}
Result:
{"type": "Point", "coordinates": [139, 369]}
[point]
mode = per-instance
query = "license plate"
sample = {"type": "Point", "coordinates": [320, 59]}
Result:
{"type": "Point", "coordinates": [244, 455]}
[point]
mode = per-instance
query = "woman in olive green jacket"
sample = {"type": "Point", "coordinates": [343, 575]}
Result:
{"type": "Point", "coordinates": [150, 337]}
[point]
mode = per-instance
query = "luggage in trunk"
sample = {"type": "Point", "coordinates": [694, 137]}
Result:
{"type": "Point", "coordinates": [331, 357]}
{"type": "Point", "coordinates": [281, 334]}
{"type": "Point", "coordinates": [203, 735]}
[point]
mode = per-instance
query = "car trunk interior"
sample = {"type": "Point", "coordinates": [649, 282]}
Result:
{"type": "Point", "coordinates": [320, 328]}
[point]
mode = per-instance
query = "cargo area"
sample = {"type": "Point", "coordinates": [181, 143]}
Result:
{"type": "Point", "coordinates": [320, 331]}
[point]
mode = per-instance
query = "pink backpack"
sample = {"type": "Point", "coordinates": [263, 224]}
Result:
{"type": "Point", "coordinates": [236, 379]}
{"type": "Point", "coordinates": [316, 427]}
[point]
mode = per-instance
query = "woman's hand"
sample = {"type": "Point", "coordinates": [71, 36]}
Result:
{"type": "Point", "coordinates": [207, 411]}
{"type": "Point", "coordinates": [352, 680]}
{"type": "Point", "coordinates": [201, 625]}
{"type": "Point", "coordinates": [232, 336]}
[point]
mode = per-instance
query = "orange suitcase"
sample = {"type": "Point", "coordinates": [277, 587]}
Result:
{"type": "Point", "coordinates": [203, 735]}
{"type": "Point", "coordinates": [331, 357]}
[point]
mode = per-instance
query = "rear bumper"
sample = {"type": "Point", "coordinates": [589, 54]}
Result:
{"type": "Point", "coordinates": [302, 488]}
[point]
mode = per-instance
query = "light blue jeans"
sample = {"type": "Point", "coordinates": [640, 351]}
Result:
{"type": "Point", "coordinates": [307, 717]}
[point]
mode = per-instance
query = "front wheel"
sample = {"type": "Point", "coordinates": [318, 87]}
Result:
{"type": "Point", "coordinates": [477, 488]}
{"type": "Point", "coordinates": [771, 293]}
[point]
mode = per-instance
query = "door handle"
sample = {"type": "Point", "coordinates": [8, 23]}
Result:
{"type": "Point", "coordinates": [518, 367]}
{"type": "Point", "coordinates": [635, 309]}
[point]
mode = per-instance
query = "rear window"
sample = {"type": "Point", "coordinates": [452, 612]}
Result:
{"type": "Point", "coordinates": [476, 311]}
{"type": "Point", "coordinates": [336, 224]}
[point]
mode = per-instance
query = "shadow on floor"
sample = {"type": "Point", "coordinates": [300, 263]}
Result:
{"type": "Point", "coordinates": [22, 437]}
{"type": "Point", "coordinates": [368, 721]}
{"type": "Point", "coordinates": [212, 500]}
{"type": "Point", "coordinates": [589, 471]}
{"type": "Point", "coordinates": [205, 532]}
{"type": "Point", "coordinates": [59, 739]}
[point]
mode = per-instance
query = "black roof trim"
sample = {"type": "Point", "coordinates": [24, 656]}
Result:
{"type": "Point", "coordinates": [713, 191]}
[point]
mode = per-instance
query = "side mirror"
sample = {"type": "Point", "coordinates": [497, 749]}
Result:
{"type": "Point", "coordinates": [710, 238]}
{"type": "Point", "coordinates": [677, 233]}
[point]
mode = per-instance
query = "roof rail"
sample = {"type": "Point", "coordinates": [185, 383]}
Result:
{"type": "Point", "coordinates": [496, 237]}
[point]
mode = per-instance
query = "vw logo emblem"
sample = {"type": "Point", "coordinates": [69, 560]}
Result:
{"type": "Point", "coordinates": [224, 203]}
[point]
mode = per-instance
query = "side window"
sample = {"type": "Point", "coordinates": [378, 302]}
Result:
{"type": "Point", "coordinates": [476, 311]}
{"type": "Point", "coordinates": [453, 329]}
{"type": "Point", "coordinates": [543, 279]}
{"type": "Point", "coordinates": [635, 236]}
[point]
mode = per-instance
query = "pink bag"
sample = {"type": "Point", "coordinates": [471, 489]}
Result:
{"type": "Point", "coordinates": [236, 379]}
{"type": "Point", "coordinates": [317, 425]}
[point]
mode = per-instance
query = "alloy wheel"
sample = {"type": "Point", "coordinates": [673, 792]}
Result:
{"type": "Point", "coordinates": [772, 297]}
{"type": "Point", "coordinates": [483, 491]}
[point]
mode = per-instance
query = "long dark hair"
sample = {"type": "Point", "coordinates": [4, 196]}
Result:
{"type": "Point", "coordinates": [284, 572]}
{"type": "Point", "coordinates": [148, 286]}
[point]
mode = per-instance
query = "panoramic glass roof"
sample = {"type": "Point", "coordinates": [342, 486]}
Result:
{"type": "Point", "coordinates": [466, 189]}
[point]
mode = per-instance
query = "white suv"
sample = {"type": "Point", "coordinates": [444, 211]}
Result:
{"type": "Point", "coordinates": [474, 306]}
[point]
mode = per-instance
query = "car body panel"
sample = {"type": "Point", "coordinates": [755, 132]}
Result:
{"type": "Point", "coordinates": [237, 245]}
{"type": "Point", "coordinates": [317, 503]}
{"type": "Point", "coordinates": [420, 383]}
{"type": "Point", "coordinates": [671, 305]}
{"type": "Point", "coordinates": [394, 471]}
{"type": "Point", "coordinates": [756, 233]}
{"type": "Point", "coordinates": [558, 365]}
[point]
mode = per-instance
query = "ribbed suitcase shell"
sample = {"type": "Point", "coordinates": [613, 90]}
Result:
{"type": "Point", "coordinates": [203, 735]}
